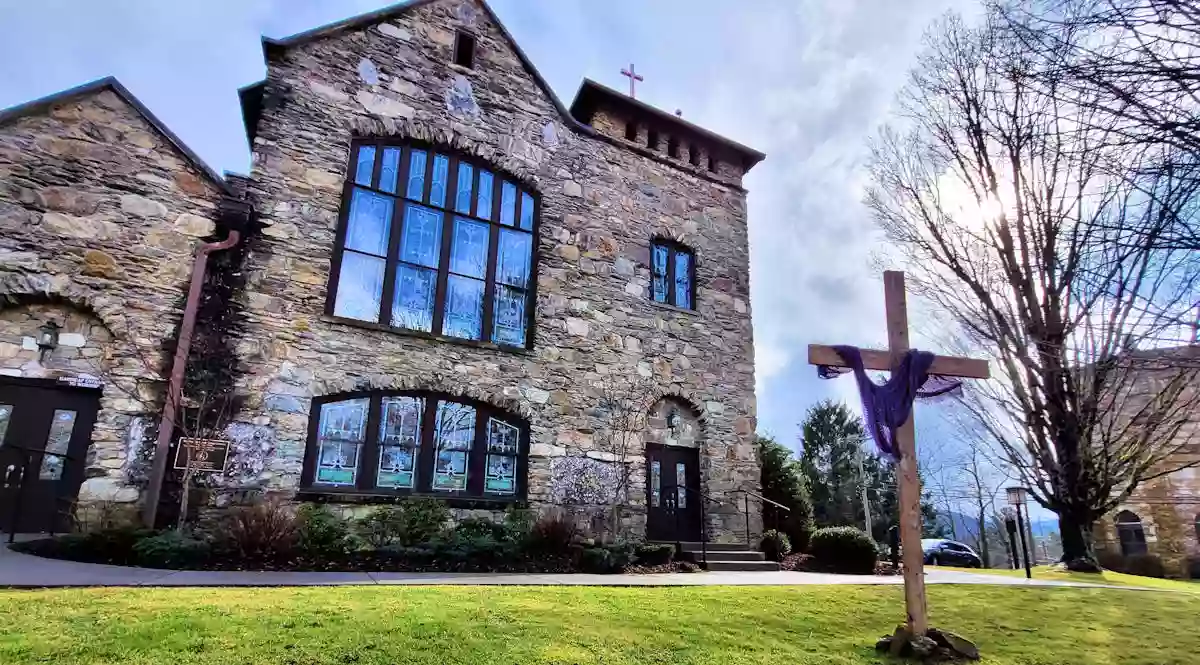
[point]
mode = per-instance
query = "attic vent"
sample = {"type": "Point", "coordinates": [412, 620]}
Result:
{"type": "Point", "coordinates": [464, 50]}
{"type": "Point", "coordinates": [631, 131]}
{"type": "Point", "coordinates": [673, 147]}
{"type": "Point", "coordinates": [694, 154]}
{"type": "Point", "coordinates": [652, 139]}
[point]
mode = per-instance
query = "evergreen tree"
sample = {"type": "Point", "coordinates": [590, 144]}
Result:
{"type": "Point", "coordinates": [783, 482]}
{"type": "Point", "coordinates": [833, 439]}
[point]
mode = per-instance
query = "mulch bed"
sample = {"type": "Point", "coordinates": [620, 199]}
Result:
{"type": "Point", "coordinates": [806, 564]}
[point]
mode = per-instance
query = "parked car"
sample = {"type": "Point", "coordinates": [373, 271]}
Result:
{"type": "Point", "coordinates": [942, 552]}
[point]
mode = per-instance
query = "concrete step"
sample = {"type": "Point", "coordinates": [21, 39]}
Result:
{"type": "Point", "coordinates": [721, 555]}
{"type": "Point", "coordinates": [714, 547]}
{"type": "Point", "coordinates": [749, 566]}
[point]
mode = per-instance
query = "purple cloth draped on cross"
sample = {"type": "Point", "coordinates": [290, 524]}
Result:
{"type": "Point", "coordinates": [886, 406]}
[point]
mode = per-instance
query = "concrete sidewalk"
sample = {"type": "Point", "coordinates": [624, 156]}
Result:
{"type": "Point", "coordinates": [23, 571]}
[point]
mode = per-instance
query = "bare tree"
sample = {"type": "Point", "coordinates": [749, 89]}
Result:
{"type": "Point", "coordinates": [1005, 203]}
{"type": "Point", "coordinates": [1133, 64]}
{"type": "Point", "coordinates": [622, 410]}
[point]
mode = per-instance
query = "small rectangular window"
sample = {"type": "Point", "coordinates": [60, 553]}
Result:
{"type": "Point", "coordinates": [652, 139]}
{"type": "Point", "coordinates": [694, 154]}
{"type": "Point", "coordinates": [673, 148]}
{"type": "Point", "coordinates": [464, 50]}
{"type": "Point", "coordinates": [672, 271]}
{"type": "Point", "coordinates": [712, 164]}
{"type": "Point", "coordinates": [631, 131]}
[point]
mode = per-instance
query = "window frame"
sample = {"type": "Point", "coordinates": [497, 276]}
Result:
{"type": "Point", "coordinates": [1135, 544]}
{"type": "Point", "coordinates": [673, 247]}
{"type": "Point", "coordinates": [459, 36]}
{"type": "Point", "coordinates": [448, 213]}
{"type": "Point", "coordinates": [366, 479]}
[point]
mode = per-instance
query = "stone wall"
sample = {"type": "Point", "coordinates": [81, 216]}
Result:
{"type": "Point", "coordinates": [601, 205]}
{"type": "Point", "coordinates": [99, 217]}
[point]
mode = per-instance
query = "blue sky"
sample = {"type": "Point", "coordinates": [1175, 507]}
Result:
{"type": "Point", "coordinates": [806, 81]}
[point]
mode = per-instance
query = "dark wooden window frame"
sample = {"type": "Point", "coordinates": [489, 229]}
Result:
{"type": "Point", "coordinates": [461, 38]}
{"type": "Point", "coordinates": [673, 247]}
{"type": "Point", "coordinates": [368, 458]}
{"type": "Point", "coordinates": [392, 260]}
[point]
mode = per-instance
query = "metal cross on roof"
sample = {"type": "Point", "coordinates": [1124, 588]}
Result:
{"type": "Point", "coordinates": [634, 77]}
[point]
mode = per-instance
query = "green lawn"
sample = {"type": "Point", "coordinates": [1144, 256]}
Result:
{"type": "Point", "coordinates": [1107, 577]}
{"type": "Point", "coordinates": [569, 625]}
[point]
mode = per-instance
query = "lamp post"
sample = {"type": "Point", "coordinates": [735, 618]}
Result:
{"type": "Point", "coordinates": [1016, 497]}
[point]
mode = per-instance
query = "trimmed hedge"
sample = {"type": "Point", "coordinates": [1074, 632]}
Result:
{"type": "Point", "coordinates": [775, 545]}
{"type": "Point", "coordinates": [844, 549]}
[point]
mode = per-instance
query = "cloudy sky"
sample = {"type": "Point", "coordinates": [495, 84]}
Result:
{"type": "Point", "coordinates": [806, 81]}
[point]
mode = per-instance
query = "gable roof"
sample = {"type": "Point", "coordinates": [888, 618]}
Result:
{"type": "Point", "coordinates": [111, 83]}
{"type": "Point", "coordinates": [252, 96]}
{"type": "Point", "coordinates": [591, 94]}
{"type": "Point", "coordinates": [392, 11]}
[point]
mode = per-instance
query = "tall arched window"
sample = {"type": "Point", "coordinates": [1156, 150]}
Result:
{"type": "Point", "coordinates": [415, 443]}
{"type": "Point", "coordinates": [1130, 533]}
{"type": "Point", "coordinates": [434, 243]}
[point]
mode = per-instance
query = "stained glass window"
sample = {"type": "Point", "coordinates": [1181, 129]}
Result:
{"type": "Point", "coordinates": [655, 483]}
{"type": "Point", "coordinates": [454, 435]}
{"type": "Point", "coordinates": [399, 441]}
{"type": "Point", "coordinates": [366, 165]}
{"type": "Point", "coordinates": [681, 484]}
{"type": "Point", "coordinates": [508, 204]}
{"type": "Point", "coordinates": [5, 415]}
{"type": "Point", "coordinates": [340, 436]}
{"type": "Point", "coordinates": [415, 442]}
{"type": "Point", "coordinates": [504, 441]}
{"type": "Point", "coordinates": [672, 274]}
{"type": "Point", "coordinates": [390, 170]}
{"type": "Point", "coordinates": [58, 442]}
{"type": "Point", "coordinates": [459, 262]}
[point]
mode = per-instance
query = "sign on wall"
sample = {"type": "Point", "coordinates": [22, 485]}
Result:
{"type": "Point", "coordinates": [202, 455]}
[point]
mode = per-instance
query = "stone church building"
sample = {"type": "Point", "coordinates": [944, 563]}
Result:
{"type": "Point", "coordinates": [436, 280]}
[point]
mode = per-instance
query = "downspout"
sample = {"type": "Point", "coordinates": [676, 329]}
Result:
{"type": "Point", "coordinates": [166, 425]}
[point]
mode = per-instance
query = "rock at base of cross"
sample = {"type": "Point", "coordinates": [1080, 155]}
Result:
{"type": "Point", "coordinates": [935, 646]}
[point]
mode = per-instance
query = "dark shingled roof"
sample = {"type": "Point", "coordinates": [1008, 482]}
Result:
{"type": "Point", "coordinates": [589, 93]}
{"type": "Point", "coordinates": [593, 95]}
{"type": "Point", "coordinates": [111, 83]}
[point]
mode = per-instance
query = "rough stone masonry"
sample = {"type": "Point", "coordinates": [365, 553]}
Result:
{"type": "Point", "coordinates": [101, 248]}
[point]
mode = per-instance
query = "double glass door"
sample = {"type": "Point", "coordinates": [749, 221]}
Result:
{"type": "Point", "coordinates": [44, 436]}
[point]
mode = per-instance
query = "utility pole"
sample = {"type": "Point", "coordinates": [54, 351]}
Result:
{"type": "Point", "coordinates": [862, 482]}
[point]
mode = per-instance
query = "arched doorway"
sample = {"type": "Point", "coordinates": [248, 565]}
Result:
{"type": "Point", "coordinates": [674, 502]}
{"type": "Point", "coordinates": [1130, 533]}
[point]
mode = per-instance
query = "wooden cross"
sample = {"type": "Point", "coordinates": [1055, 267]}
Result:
{"type": "Point", "coordinates": [634, 77]}
{"type": "Point", "coordinates": [905, 440]}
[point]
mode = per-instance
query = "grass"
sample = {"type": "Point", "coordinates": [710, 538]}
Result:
{"type": "Point", "coordinates": [578, 625]}
{"type": "Point", "coordinates": [1107, 577]}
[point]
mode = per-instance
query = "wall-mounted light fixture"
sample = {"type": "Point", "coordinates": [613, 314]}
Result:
{"type": "Point", "coordinates": [47, 339]}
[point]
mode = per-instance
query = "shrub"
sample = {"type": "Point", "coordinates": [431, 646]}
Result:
{"type": "Point", "coordinates": [659, 554]}
{"type": "Point", "coordinates": [475, 528]}
{"type": "Point", "coordinates": [518, 523]}
{"type": "Point", "coordinates": [595, 560]}
{"type": "Point", "coordinates": [406, 557]}
{"type": "Point", "coordinates": [320, 533]}
{"type": "Point", "coordinates": [844, 549]}
{"type": "Point", "coordinates": [380, 527]}
{"type": "Point", "coordinates": [471, 548]}
{"type": "Point", "coordinates": [258, 532]}
{"type": "Point", "coordinates": [171, 549]}
{"type": "Point", "coordinates": [420, 521]}
{"type": "Point", "coordinates": [1146, 565]}
{"type": "Point", "coordinates": [775, 545]}
{"type": "Point", "coordinates": [621, 556]}
{"type": "Point", "coordinates": [552, 534]}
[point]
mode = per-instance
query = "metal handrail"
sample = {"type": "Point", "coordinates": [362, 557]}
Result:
{"type": "Point", "coordinates": [703, 523]}
{"type": "Point", "coordinates": [763, 498]}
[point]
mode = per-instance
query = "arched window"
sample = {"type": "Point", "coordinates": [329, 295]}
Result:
{"type": "Point", "coordinates": [415, 443]}
{"type": "Point", "coordinates": [433, 243]}
{"type": "Point", "coordinates": [1130, 533]}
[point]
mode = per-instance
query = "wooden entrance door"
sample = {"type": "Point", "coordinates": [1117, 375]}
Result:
{"type": "Point", "coordinates": [44, 434]}
{"type": "Point", "coordinates": [672, 512]}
